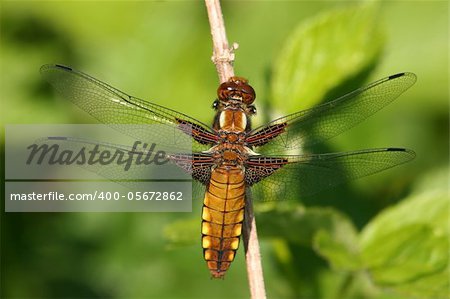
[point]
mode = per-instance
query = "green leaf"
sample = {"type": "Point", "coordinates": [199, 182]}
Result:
{"type": "Point", "coordinates": [430, 208]}
{"type": "Point", "coordinates": [340, 254]}
{"type": "Point", "coordinates": [406, 247]}
{"type": "Point", "coordinates": [406, 254]}
{"type": "Point", "coordinates": [323, 53]}
{"type": "Point", "coordinates": [300, 225]}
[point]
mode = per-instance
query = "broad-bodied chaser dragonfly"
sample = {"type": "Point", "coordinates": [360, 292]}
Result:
{"type": "Point", "coordinates": [230, 156]}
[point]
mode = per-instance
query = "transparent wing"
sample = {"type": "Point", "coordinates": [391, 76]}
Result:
{"type": "Point", "coordinates": [112, 106]}
{"type": "Point", "coordinates": [308, 174]}
{"type": "Point", "coordinates": [323, 122]}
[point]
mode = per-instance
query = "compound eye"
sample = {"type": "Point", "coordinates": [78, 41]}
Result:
{"type": "Point", "coordinates": [225, 89]}
{"type": "Point", "coordinates": [248, 94]}
{"type": "Point", "coordinates": [215, 104]}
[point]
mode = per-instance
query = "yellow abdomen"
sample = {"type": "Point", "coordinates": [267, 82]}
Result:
{"type": "Point", "coordinates": [223, 213]}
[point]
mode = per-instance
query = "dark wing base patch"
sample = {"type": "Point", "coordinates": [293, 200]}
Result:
{"type": "Point", "coordinates": [198, 165]}
{"type": "Point", "coordinates": [197, 132]}
{"type": "Point", "coordinates": [266, 134]}
{"type": "Point", "coordinates": [260, 167]}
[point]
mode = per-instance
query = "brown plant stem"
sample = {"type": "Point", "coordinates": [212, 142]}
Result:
{"type": "Point", "coordinates": [223, 58]}
{"type": "Point", "coordinates": [252, 253]}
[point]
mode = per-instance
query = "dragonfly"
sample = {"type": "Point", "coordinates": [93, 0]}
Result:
{"type": "Point", "coordinates": [230, 157]}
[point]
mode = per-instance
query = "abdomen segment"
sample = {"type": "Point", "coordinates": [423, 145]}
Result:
{"type": "Point", "coordinates": [223, 213]}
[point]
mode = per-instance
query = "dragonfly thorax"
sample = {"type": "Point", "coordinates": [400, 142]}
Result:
{"type": "Point", "coordinates": [229, 157]}
{"type": "Point", "coordinates": [232, 120]}
{"type": "Point", "coordinates": [231, 137]}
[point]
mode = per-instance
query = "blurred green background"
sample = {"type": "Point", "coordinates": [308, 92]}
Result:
{"type": "Point", "coordinates": [384, 236]}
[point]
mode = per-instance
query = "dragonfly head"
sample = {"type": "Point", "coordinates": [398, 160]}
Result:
{"type": "Point", "coordinates": [236, 89]}
{"type": "Point", "coordinates": [234, 105]}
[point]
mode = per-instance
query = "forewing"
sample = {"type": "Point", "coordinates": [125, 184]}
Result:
{"type": "Point", "coordinates": [323, 122]}
{"type": "Point", "coordinates": [112, 106]}
{"type": "Point", "coordinates": [308, 174]}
